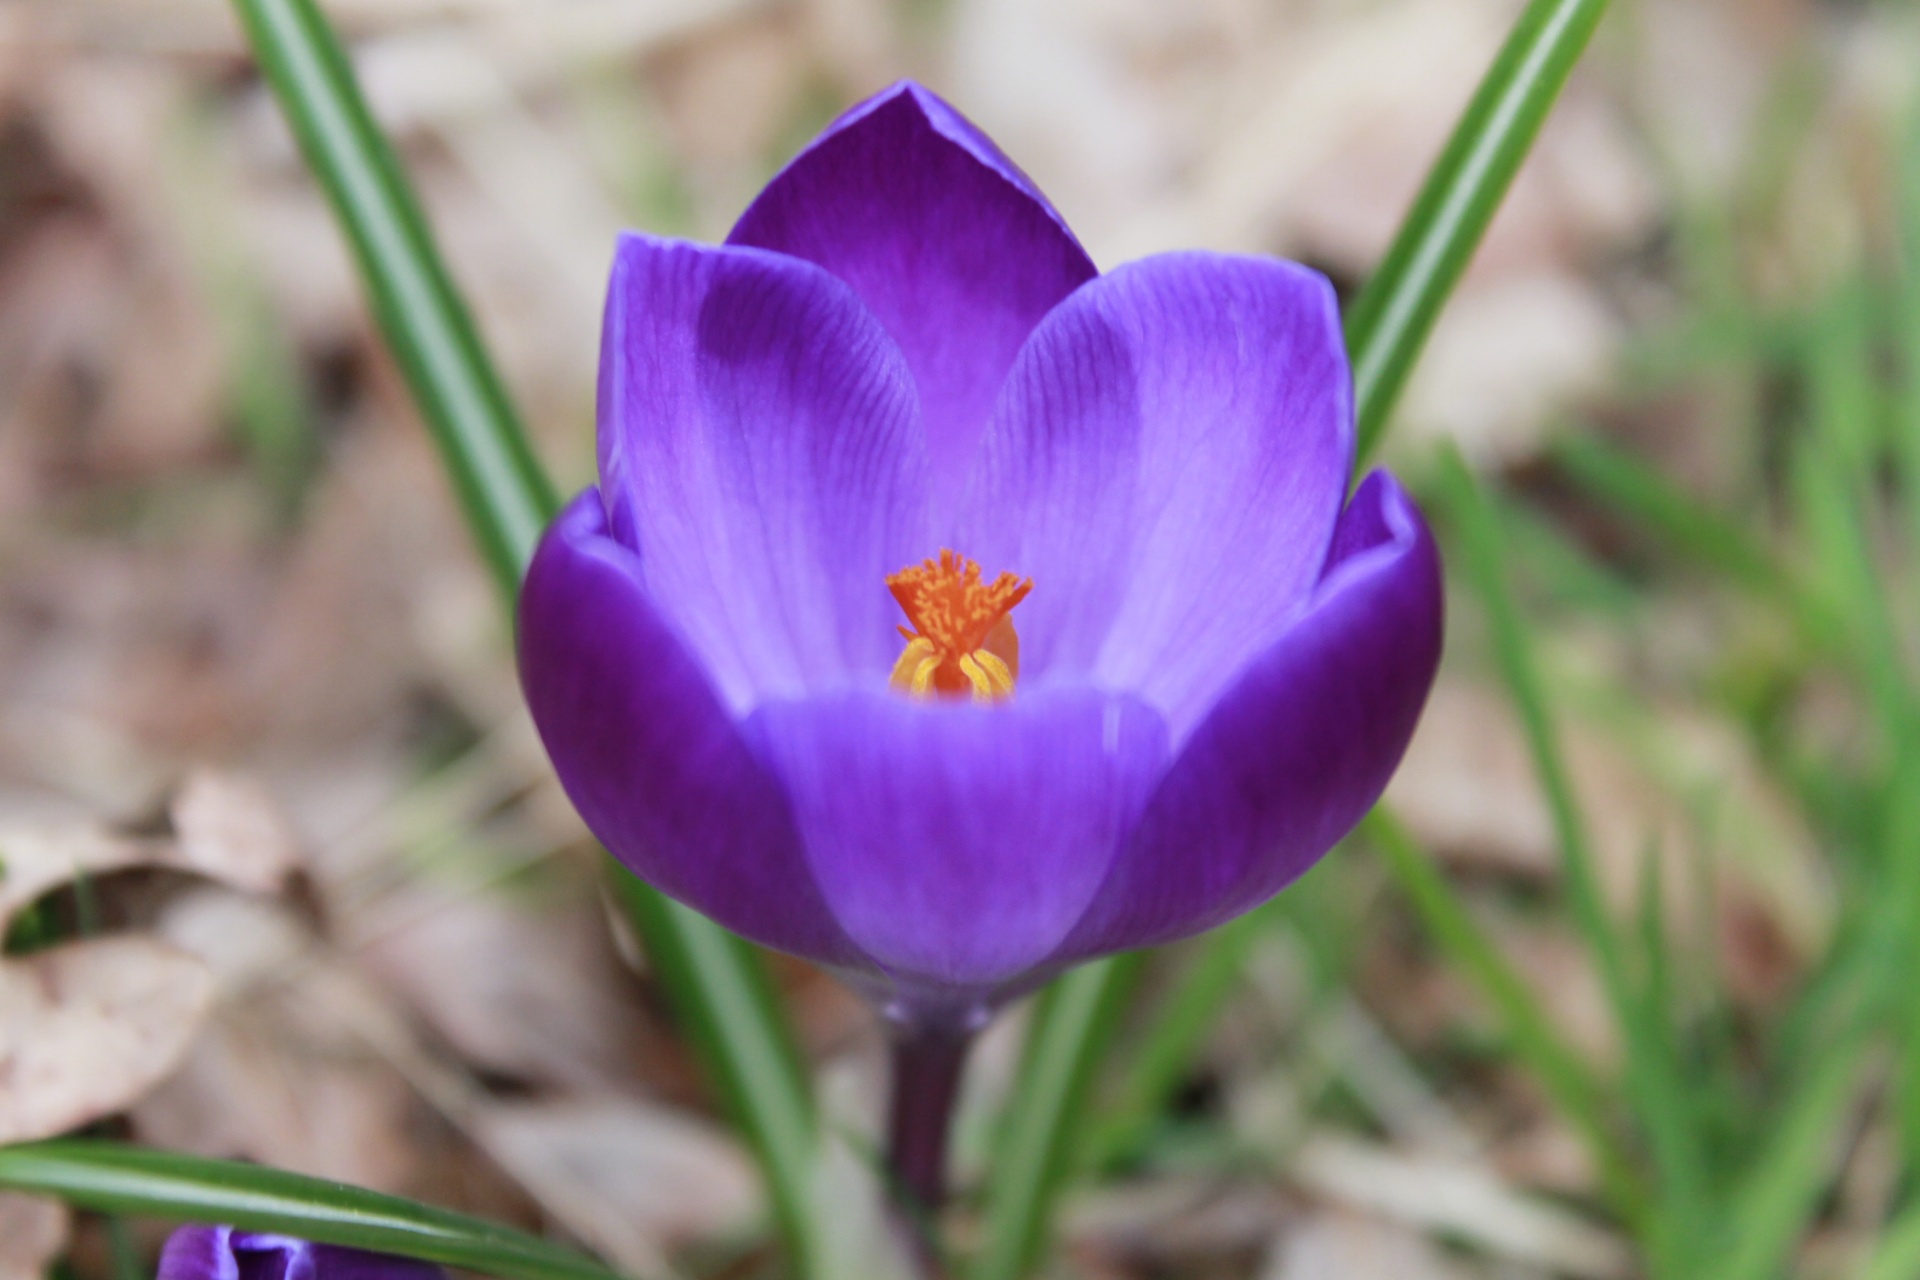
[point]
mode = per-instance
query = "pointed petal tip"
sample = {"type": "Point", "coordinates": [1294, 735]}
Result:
{"type": "Point", "coordinates": [946, 241]}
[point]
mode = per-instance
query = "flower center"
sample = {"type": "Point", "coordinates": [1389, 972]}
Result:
{"type": "Point", "coordinates": [961, 639]}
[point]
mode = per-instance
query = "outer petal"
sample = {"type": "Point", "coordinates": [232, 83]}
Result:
{"type": "Point", "coordinates": [646, 751]}
{"type": "Point", "coordinates": [336, 1262]}
{"type": "Point", "coordinates": [758, 446]}
{"type": "Point", "coordinates": [199, 1253]}
{"type": "Point", "coordinates": [222, 1253]}
{"type": "Point", "coordinates": [959, 844]}
{"type": "Point", "coordinates": [1167, 463]}
{"type": "Point", "coordinates": [1297, 750]}
{"type": "Point", "coordinates": [949, 244]}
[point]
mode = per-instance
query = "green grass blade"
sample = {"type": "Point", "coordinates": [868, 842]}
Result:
{"type": "Point", "coordinates": [125, 1254]}
{"type": "Point", "coordinates": [1157, 1067]}
{"type": "Point", "coordinates": [1479, 551]}
{"type": "Point", "coordinates": [1906, 416]}
{"type": "Point", "coordinates": [1560, 1070]}
{"type": "Point", "coordinates": [737, 1026]}
{"type": "Point", "coordinates": [1776, 1203]}
{"type": "Point", "coordinates": [714, 981]}
{"type": "Point", "coordinates": [110, 1177]}
{"type": "Point", "coordinates": [1897, 1256]}
{"type": "Point", "coordinates": [1389, 321]}
{"type": "Point", "coordinates": [507, 498]}
{"type": "Point", "coordinates": [1784, 1191]}
{"type": "Point", "coordinates": [1834, 477]}
{"type": "Point", "coordinates": [1073, 1022]}
{"type": "Point", "coordinates": [1902, 846]}
{"type": "Point", "coordinates": [1677, 519]}
{"type": "Point", "coordinates": [1653, 1081]}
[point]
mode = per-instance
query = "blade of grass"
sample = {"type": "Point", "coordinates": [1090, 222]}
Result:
{"type": "Point", "coordinates": [1560, 1070]}
{"type": "Point", "coordinates": [1388, 323]}
{"type": "Point", "coordinates": [1478, 544]}
{"type": "Point", "coordinates": [125, 1253]}
{"type": "Point", "coordinates": [1385, 330]}
{"type": "Point", "coordinates": [741, 1034]}
{"type": "Point", "coordinates": [1652, 1077]}
{"type": "Point", "coordinates": [1906, 421]}
{"type": "Point", "coordinates": [1897, 1256]}
{"type": "Point", "coordinates": [1677, 519]}
{"type": "Point", "coordinates": [1906, 819]}
{"type": "Point", "coordinates": [1079, 1010]}
{"type": "Point", "coordinates": [1834, 479]}
{"type": "Point", "coordinates": [1156, 1068]}
{"type": "Point", "coordinates": [110, 1177]}
{"type": "Point", "coordinates": [1773, 1206]}
{"type": "Point", "coordinates": [1778, 1199]}
{"type": "Point", "coordinates": [713, 979]}
{"type": "Point", "coordinates": [508, 499]}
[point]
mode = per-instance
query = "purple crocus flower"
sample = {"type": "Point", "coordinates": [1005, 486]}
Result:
{"type": "Point", "coordinates": [224, 1253]}
{"type": "Point", "coordinates": [773, 675]}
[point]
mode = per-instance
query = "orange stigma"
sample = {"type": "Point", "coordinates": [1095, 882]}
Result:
{"type": "Point", "coordinates": [961, 640]}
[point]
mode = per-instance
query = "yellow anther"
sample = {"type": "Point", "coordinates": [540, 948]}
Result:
{"type": "Point", "coordinates": [961, 640]}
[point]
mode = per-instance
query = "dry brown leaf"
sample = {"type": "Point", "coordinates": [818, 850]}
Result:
{"type": "Point", "coordinates": [1175, 1218]}
{"type": "Point", "coordinates": [159, 391]}
{"type": "Point", "coordinates": [1336, 1244]}
{"type": "Point", "coordinates": [36, 857]}
{"type": "Point", "coordinates": [626, 1176]}
{"type": "Point", "coordinates": [255, 1088]}
{"type": "Point", "coordinates": [1467, 788]}
{"type": "Point", "coordinates": [32, 1234]}
{"type": "Point", "coordinates": [87, 1028]}
{"type": "Point", "coordinates": [1462, 1198]}
{"type": "Point", "coordinates": [276, 1076]}
{"type": "Point", "coordinates": [230, 828]}
{"type": "Point", "coordinates": [531, 994]}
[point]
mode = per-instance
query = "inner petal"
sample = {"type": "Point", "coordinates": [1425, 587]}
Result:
{"type": "Point", "coordinates": [945, 241]}
{"type": "Point", "coordinates": [760, 451]}
{"type": "Point", "coordinates": [1169, 456]}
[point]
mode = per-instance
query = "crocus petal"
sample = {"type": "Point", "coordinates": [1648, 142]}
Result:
{"type": "Point", "coordinates": [1167, 464]}
{"type": "Point", "coordinates": [647, 753]}
{"type": "Point", "coordinates": [958, 844]}
{"type": "Point", "coordinates": [198, 1253]}
{"type": "Point", "coordinates": [222, 1253]}
{"type": "Point", "coordinates": [758, 447]}
{"type": "Point", "coordinates": [1297, 750]}
{"type": "Point", "coordinates": [949, 244]}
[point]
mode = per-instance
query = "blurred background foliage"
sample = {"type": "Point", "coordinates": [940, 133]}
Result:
{"type": "Point", "coordinates": [1622, 980]}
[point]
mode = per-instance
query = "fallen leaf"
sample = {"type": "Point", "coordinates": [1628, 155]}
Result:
{"type": "Point", "coordinates": [41, 856]}
{"type": "Point", "coordinates": [1462, 1198]}
{"type": "Point", "coordinates": [87, 1028]}
{"type": "Point", "coordinates": [1336, 1244]}
{"type": "Point", "coordinates": [230, 829]}
{"type": "Point", "coordinates": [1170, 1222]}
{"type": "Point", "coordinates": [627, 1177]}
{"type": "Point", "coordinates": [227, 829]}
{"type": "Point", "coordinates": [277, 1075]}
{"type": "Point", "coordinates": [32, 1234]}
{"type": "Point", "coordinates": [527, 991]}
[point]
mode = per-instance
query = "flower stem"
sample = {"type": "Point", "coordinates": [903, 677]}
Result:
{"type": "Point", "coordinates": [927, 1063]}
